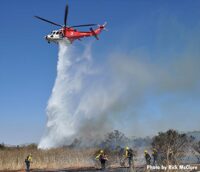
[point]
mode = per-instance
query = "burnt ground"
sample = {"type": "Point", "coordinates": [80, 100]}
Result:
{"type": "Point", "coordinates": [94, 170]}
{"type": "Point", "coordinates": [138, 169]}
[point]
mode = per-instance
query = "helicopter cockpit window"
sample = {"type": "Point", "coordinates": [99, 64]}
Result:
{"type": "Point", "coordinates": [57, 33]}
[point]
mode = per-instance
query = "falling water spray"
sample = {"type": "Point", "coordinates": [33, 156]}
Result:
{"type": "Point", "coordinates": [59, 109]}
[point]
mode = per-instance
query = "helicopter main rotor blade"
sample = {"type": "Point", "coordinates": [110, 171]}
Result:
{"type": "Point", "coordinates": [66, 15]}
{"type": "Point", "coordinates": [83, 25]}
{"type": "Point", "coordinates": [48, 21]}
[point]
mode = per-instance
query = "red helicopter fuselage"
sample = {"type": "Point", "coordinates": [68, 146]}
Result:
{"type": "Point", "coordinates": [69, 33]}
{"type": "Point", "coordinates": [73, 34]}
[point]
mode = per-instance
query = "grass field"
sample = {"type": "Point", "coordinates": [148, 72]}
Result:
{"type": "Point", "coordinates": [12, 158]}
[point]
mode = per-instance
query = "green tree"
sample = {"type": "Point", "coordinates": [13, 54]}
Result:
{"type": "Point", "coordinates": [2, 146]}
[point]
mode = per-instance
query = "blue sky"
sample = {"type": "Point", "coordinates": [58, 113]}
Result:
{"type": "Point", "coordinates": [158, 31]}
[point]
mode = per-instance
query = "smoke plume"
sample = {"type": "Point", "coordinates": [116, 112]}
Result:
{"type": "Point", "coordinates": [129, 93]}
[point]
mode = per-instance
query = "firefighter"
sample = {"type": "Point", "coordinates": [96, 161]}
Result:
{"type": "Point", "coordinates": [155, 156]}
{"type": "Point", "coordinates": [147, 157]}
{"type": "Point", "coordinates": [129, 156]}
{"type": "Point", "coordinates": [28, 160]}
{"type": "Point", "coordinates": [102, 158]}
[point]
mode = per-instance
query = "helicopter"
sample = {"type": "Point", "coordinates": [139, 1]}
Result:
{"type": "Point", "coordinates": [70, 33]}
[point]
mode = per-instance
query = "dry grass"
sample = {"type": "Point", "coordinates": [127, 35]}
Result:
{"type": "Point", "coordinates": [13, 158]}
{"type": "Point", "coordinates": [60, 158]}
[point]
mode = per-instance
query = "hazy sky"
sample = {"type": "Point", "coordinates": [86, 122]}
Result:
{"type": "Point", "coordinates": [157, 40]}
